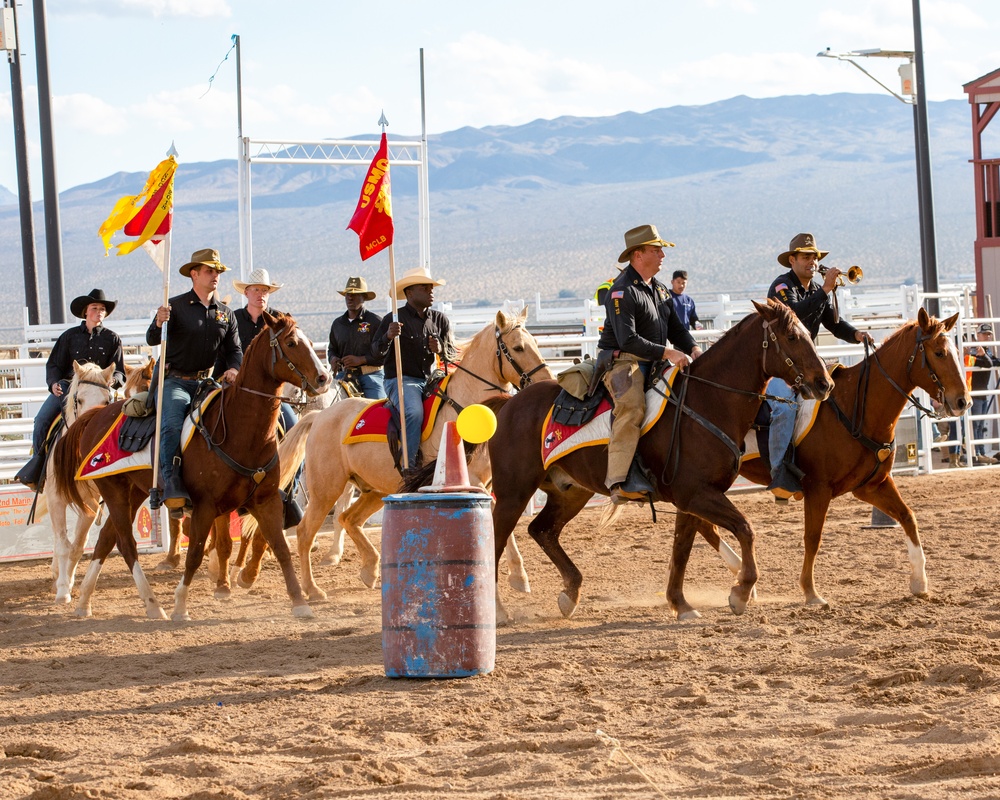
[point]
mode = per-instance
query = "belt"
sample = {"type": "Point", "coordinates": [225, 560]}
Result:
{"type": "Point", "coordinates": [368, 369]}
{"type": "Point", "coordinates": [184, 376]}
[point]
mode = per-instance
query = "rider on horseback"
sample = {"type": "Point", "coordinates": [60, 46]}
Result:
{"type": "Point", "coordinates": [813, 305]}
{"type": "Point", "coordinates": [351, 335]}
{"type": "Point", "coordinates": [202, 331]}
{"type": "Point", "coordinates": [89, 343]}
{"type": "Point", "coordinates": [640, 321]}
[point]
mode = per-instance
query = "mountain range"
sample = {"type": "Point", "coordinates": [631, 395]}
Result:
{"type": "Point", "coordinates": [542, 207]}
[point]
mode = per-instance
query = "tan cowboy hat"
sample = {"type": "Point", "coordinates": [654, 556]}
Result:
{"type": "Point", "coordinates": [357, 286]}
{"type": "Point", "coordinates": [203, 258]}
{"type": "Point", "coordinates": [802, 243]}
{"type": "Point", "coordinates": [78, 308]}
{"type": "Point", "coordinates": [259, 277]}
{"type": "Point", "coordinates": [639, 237]}
{"type": "Point", "coordinates": [415, 277]}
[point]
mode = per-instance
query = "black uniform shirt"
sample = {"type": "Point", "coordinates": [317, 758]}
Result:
{"type": "Point", "coordinates": [640, 318]}
{"type": "Point", "coordinates": [197, 335]}
{"type": "Point", "coordinates": [811, 305]}
{"type": "Point", "coordinates": [354, 337]}
{"type": "Point", "coordinates": [100, 346]}
{"type": "Point", "coordinates": [418, 361]}
{"type": "Point", "coordinates": [246, 328]}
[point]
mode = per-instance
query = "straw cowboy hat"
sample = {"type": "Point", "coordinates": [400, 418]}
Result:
{"type": "Point", "coordinates": [78, 308]}
{"type": "Point", "coordinates": [357, 286]}
{"type": "Point", "coordinates": [203, 258]}
{"type": "Point", "coordinates": [415, 277]}
{"type": "Point", "coordinates": [802, 243]}
{"type": "Point", "coordinates": [259, 277]}
{"type": "Point", "coordinates": [639, 237]}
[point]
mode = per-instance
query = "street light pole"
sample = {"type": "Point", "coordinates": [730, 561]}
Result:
{"type": "Point", "coordinates": [912, 94]}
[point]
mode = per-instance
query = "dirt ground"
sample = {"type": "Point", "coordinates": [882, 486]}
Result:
{"type": "Point", "coordinates": [879, 695]}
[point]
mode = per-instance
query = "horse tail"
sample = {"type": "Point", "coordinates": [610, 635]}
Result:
{"type": "Point", "coordinates": [292, 448]}
{"type": "Point", "coordinates": [67, 457]}
{"type": "Point", "coordinates": [425, 475]}
{"type": "Point", "coordinates": [609, 516]}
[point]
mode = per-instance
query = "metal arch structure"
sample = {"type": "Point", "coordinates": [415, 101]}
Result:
{"type": "Point", "coordinates": [338, 153]}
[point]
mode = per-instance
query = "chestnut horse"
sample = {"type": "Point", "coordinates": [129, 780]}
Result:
{"type": "Point", "coordinates": [692, 451]}
{"type": "Point", "coordinates": [231, 465]}
{"type": "Point", "coordinates": [501, 354]}
{"type": "Point", "coordinates": [851, 450]}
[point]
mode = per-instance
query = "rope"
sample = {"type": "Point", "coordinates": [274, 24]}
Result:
{"type": "Point", "coordinates": [225, 58]}
{"type": "Point", "coordinates": [616, 747]}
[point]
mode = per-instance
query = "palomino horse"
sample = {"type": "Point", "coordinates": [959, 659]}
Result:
{"type": "Point", "coordinates": [850, 446]}
{"type": "Point", "coordinates": [692, 450]}
{"type": "Point", "coordinates": [230, 466]}
{"type": "Point", "coordinates": [501, 354]}
{"type": "Point", "coordinates": [91, 388]}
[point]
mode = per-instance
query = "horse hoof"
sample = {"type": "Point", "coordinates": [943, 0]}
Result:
{"type": "Point", "coordinates": [64, 599]}
{"type": "Point", "coordinates": [503, 618]}
{"type": "Point", "coordinates": [168, 564]}
{"type": "Point", "coordinates": [242, 581]}
{"type": "Point", "coordinates": [369, 577]}
{"type": "Point", "coordinates": [687, 616]}
{"type": "Point", "coordinates": [317, 595]}
{"type": "Point", "coordinates": [83, 613]}
{"type": "Point", "coordinates": [183, 617]}
{"type": "Point", "coordinates": [736, 603]}
{"type": "Point", "coordinates": [330, 560]}
{"type": "Point", "coordinates": [155, 612]}
{"type": "Point", "coordinates": [567, 606]}
{"type": "Point", "coordinates": [519, 583]}
{"type": "Point", "coordinates": [223, 593]}
{"type": "Point", "coordinates": [818, 602]}
{"type": "Point", "coordinates": [302, 612]}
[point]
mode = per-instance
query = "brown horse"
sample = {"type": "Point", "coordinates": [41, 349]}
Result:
{"type": "Point", "coordinates": [232, 465]}
{"type": "Point", "coordinates": [852, 451]}
{"type": "Point", "coordinates": [694, 456]}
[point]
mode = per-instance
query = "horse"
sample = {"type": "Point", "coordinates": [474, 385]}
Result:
{"type": "Point", "coordinates": [90, 388]}
{"type": "Point", "coordinates": [231, 465]}
{"type": "Point", "coordinates": [850, 445]}
{"type": "Point", "coordinates": [501, 355]}
{"type": "Point", "coordinates": [691, 452]}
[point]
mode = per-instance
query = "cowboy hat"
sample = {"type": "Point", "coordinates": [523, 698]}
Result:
{"type": "Point", "coordinates": [203, 258]}
{"type": "Point", "coordinates": [415, 277]}
{"type": "Point", "coordinates": [639, 237]}
{"type": "Point", "coordinates": [259, 277]}
{"type": "Point", "coordinates": [802, 243]}
{"type": "Point", "coordinates": [357, 286]}
{"type": "Point", "coordinates": [78, 308]}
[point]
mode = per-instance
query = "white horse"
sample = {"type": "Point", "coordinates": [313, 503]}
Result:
{"type": "Point", "coordinates": [90, 388]}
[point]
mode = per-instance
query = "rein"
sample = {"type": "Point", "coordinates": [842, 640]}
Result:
{"type": "Point", "coordinates": [501, 352]}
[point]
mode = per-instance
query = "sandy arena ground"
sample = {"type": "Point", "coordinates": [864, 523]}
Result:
{"type": "Point", "coordinates": [880, 695]}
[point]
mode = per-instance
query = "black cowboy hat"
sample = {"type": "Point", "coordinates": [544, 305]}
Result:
{"type": "Point", "coordinates": [78, 308]}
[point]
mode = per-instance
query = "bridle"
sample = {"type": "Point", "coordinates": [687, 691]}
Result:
{"type": "Point", "coordinates": [501, 352]}
{"type": "Point", "coordinates": [74, 396]}
{"type": "Point", "coordinates": [918, 348]}
{"type": "Point", "coordinates": [277, 351]}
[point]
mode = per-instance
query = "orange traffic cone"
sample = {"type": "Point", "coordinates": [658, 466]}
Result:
{"type": "Point", "coordinates": [451, 473]}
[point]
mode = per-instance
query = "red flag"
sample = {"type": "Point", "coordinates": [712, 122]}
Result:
{"type": "Point", "coordinates": [372, 220]}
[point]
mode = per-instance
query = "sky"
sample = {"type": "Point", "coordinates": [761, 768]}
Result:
{"type": "Point", "coordinates": [130, 77]}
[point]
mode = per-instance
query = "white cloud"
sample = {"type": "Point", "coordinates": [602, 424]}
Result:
{"type": "Point", "coordinates": [144, 8]}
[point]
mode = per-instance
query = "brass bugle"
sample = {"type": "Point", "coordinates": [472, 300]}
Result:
{"type": "Point", "coordinates": [854, 274]}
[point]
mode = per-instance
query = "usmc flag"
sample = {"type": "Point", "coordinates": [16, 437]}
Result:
{"type": "Point", "coordinates": [372, 220]}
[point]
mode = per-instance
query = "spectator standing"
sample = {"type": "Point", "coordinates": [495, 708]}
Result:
{"type": "Point", "coordinates": [683, 304]}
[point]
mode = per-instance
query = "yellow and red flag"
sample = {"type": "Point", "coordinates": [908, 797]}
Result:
{"type": "Point", "coordinates": [372, 220]}
{"type": "Point", "coordinates": [146, 216]}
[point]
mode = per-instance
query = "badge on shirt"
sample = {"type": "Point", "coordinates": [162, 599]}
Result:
{"type": "Point", "coordinates": [617, 295]}
{"type": "Point", "coordinates": [364, 327]}
{"type": "Point", "coordinates": [221, 317]}
{"type": "Point", "coordinates": [781, 287]}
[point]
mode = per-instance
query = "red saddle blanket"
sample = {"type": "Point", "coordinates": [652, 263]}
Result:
{"type": "Point", "coordinates": [372, 423]}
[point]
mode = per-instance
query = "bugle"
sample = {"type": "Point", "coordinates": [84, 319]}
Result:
{"type": "Point", "coordinates": [854, 274]}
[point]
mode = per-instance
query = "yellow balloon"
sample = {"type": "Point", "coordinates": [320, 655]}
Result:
{"type": "Point", "coordinates": [476, 423]}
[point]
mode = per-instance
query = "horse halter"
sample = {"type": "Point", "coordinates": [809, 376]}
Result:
{"type": "Point", "coordinates": [276, 351]}
{"type": "Point", "coordinates": [769, 334]}
{"type": "Point", "coordinates": [503, 352]}
{"type": "Point", "coordinates": [103, 386]}
{"type": "Point", "coordinates": [922, 350]}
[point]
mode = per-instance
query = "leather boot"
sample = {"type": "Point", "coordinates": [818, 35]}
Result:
{"type": "Point", "coordinates": [292, 511]}
{"type": "Point", "coordinates": [175, 495]}
{"type": "Point", "coordinates": [31, 472]}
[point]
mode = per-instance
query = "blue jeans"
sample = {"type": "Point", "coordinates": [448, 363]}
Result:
{"type": "Point", "coordinates": [51, 408]}
{"type": "Point", "coordinates": [176, 400]}
{"type": "Point", "coordinates": [979, 426]}
{"type": "Point", "coordinates": [782, 422]}
{"type": "Point", "coordinates": [413, 400]}
{"type": "Point", "coordinates": [288, 419]}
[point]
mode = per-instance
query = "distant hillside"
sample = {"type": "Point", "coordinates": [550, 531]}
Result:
{"type": "Point", "coordinates": [542, 207]}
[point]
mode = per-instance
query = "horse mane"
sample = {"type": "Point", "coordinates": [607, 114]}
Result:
{"type": "Point", "coordinates": [139, 378]}
{"type": "Point", "coordinates": [88, 372]}
{"type": "Point", "coordinates": [510, 321]}
{"type": "Point", "coordinates": [786, 319]}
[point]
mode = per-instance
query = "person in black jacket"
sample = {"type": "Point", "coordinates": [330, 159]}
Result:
{"type": "Point", "coordinates": [351, 335]}
{"type": "Point", "coordinates": [89, 343]}
{"type": "Point", "coordinates": [202, 331]}
{"type": "Point", "coordinates": [812, 302]}
{"type": "Point", "coordinates": [424, 334]}
{"type": "Point", "coordinates": [639, 328]}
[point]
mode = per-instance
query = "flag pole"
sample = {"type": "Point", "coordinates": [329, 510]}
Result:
{"type": "Point", "coordinates": [399, 361]}
{"type": "Point", "coordinates": [154, 491]}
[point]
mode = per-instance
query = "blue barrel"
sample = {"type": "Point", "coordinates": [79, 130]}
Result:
{"type": "Point", "coordinates": [438, 586]}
